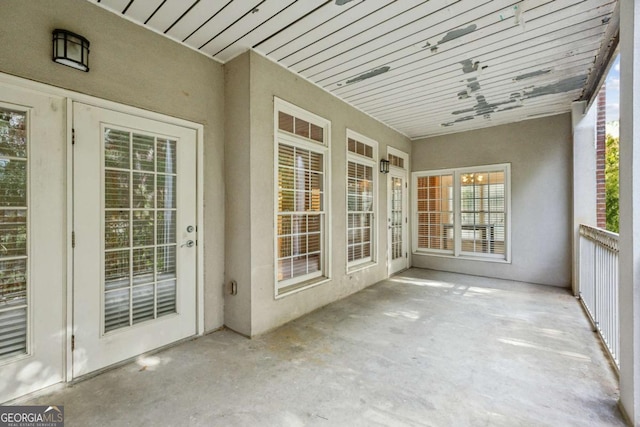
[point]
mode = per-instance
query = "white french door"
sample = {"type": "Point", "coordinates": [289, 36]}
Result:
{"type": "Point", "coordinates": [135, 236]}
{"type": "Point", "coordinates": [397, 220]}
{"type": "Point", "coordinates": [32, 241]}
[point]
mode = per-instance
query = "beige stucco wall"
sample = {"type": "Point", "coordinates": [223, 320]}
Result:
{"type": "Point", "coordinates": [266, 81]}
{"type": "Point", "coordinates": [133, 66]}
{"type": "Point", "coordinates": [540, 153]}
{"type": "Point", "coordinates": [237, 309]}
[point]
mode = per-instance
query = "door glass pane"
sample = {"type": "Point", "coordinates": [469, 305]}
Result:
{"type": "Point", "coordinates": [116, 189]}
{"type": "Point", "coordinates": [116, 149]}
{"type": "Point", "coordinates": [139, 228]}
{"type": "Point", "coordinates": [116, 309]}
{"type": "Point", "coordinates": [166, 297]}
{"type": "Point", "coordinates": [166, 156]}
{"type": "Point", "coordinates": [13, 233]}
{"type": "Point", "coordinates": [116, 229]}
{"type": "Point", "coordinates": [143, 227]}
{"type": "Point", "coordinates": [116, 269]}
{"type": "Point", "coordinates": [166, 231]}
{"type": "Point", "coordinates": [142, 303]}
{"type": "Point", "coordinates": [396, 217]}
{"type": "Point", "coordinates": [143, 190]}
{"type": "Point", "coordinates": [143, 149]}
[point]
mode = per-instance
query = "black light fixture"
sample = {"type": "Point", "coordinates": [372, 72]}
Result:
{"type": "Point", "coordinates": [384, 166]}
{"type": "Point", "coordinates": [70, 49]}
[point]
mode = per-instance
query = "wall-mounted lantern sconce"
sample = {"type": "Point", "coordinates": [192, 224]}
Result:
{"type": "Point", "coordinates": [384, 166]}
{"type": "Point", "coordinates": [70, 49]}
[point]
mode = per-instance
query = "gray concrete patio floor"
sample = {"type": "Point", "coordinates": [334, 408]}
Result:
{"type": "Point", "coordinates": [423, 348]}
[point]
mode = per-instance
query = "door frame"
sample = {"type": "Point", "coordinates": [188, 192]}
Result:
{"type": "Point", "coordinates": [405, 207]}
{"type": "Point", "coordinates": [125, 109]}
{"type": "Point", "coordinates": [72, 97]}
{"type": "Point", "coordinates": [97, 348]}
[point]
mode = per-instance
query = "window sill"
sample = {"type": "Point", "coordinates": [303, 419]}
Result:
{"type": "Point", "coordinates": [359, 267]}
{"type": "Point", "coordinates": [462, 257]}
{"type": "Point", "coordinates": [15, 358]}
{"type": "Point", "coordinates": [302, 286]}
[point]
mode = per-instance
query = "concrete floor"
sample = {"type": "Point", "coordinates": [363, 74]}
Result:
{"type": "Point", "coordinates": [421, 349]}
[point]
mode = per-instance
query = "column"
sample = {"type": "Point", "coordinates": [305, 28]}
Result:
{"type": "Point", "coordinates": [630, 209]}
{"type": "Point", "coordinates": [584, 176]}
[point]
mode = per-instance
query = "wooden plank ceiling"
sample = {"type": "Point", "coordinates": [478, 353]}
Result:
{"type": "Point", "coordinates": [424, 67]}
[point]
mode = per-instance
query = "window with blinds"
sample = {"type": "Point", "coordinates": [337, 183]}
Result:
{"type": "Point", "coordinates": [482, 212]}
{"type": "Point", "coordinates": [299, 127]}
{"type": "Point", "coordinates": [13, 233]}
{"type": "Point", "coordinates": [463, 212]}
{"type": "Point", "coordinates": [435, 212]}
{"type": "Point", "coordinates": [361, 196]}
{"type": "Point", "coordinates": [139, 228]}
{"type": "Point", "coordinates": [301, 221]}
{"type": "Point", "coordinates": [396, 161]}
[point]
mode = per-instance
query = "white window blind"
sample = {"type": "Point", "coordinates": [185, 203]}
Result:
{"type": "Point", "coordinates": [300, 212]}
{"type": "Point", "coordinates": [13, 233]}
{"type": "Point", "coordinates": [139, 228]}
{"type": "Point", "coordinates": [361, 196]}
{"type": "Point", "coordinates": [301, 221]}
{"type": "Point", "coordinates": [483, 214]}
{"type": "Point", "coordinates": [463, 212]}
{"type": "Point", "coordinates": [435, 212]}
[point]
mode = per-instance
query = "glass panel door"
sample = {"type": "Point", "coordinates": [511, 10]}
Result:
{"type": "Point", "coordinates": [396, 218]}
{"type": "Point", "coordinates": [33, 237]}
{"type": "Point", "coordinates": [134, 219]}
{"type": "Point", "coordinates": [397, 221]}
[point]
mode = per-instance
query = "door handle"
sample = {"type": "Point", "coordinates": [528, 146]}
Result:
{"type": "Point", "coordinates": [188, 243]}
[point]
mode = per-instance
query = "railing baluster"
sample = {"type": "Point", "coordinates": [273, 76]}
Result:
{"type": "Point", "coordinates": [598, 284]}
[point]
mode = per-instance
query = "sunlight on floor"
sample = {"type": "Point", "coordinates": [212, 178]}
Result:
{"type": "Point", "coordinates": [463, 290]}
{"type": "Point", "coordinates": [482, 290]}
{"type": "Point", "coordinates": [151, 363]}
{"type": "Point", "coordinates": [526, 344]}
{"type": "Point", "coordinates": [417, 282]}
{"type": "Point", "coordinates": [411, 315]}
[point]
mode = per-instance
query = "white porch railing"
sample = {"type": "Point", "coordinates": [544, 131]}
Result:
{"type": "Point", "coordinates": [598, 283]}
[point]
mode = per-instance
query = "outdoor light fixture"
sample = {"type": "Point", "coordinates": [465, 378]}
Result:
{"type": "Point", "coordinates": [70, 49]}
{"type": "Point", "coordinates": [384, 166]}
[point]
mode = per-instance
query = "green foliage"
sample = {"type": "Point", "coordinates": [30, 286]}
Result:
{"type": "Point", "coordinates": [612, 183]}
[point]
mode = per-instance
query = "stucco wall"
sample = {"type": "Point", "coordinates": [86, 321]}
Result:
{"type": "Point", "coordinates": [237, 309]}
{"type": "Point", "coordinates": [267, 80]}
{"type": "Point", "coordinates": [133, 66]}
{"type": "Point", "coordinates": [540, 153]}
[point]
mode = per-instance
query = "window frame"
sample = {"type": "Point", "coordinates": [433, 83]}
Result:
{"type": "Point", "coordinates": [296, 284]}
{"type": "Point", "coordinates": [372, 259]}
{"type": "Point", "coordinates": [28, 257]}
{"type": "Point", "coordinates": [457, 252]}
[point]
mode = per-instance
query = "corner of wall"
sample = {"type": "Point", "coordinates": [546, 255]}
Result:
{"type": "Point", "coordinates": [540, 153]}
{"type": "Point", "coordinates": [237, 171]}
